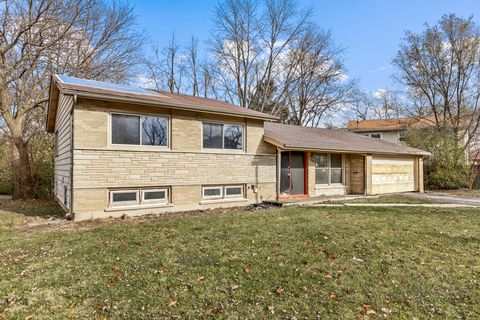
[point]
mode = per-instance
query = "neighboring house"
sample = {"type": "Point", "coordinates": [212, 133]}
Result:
{"type": "Point", "coordinates": [122, 150]}
{"type": "Point", "coordinates": [394, 130]}
{"type": "Point", "coordinates": [391, 130]}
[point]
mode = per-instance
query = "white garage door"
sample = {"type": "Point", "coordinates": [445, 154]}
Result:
{"type": "Point", "coordinates": [392, 174]}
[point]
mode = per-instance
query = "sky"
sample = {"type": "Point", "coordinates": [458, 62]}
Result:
{"type": "Point", "coordinates": [370, 31]}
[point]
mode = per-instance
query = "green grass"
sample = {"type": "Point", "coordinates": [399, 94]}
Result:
{"type": "Point", "coordinates": [327, 263]}
{"type": "Point", "coordinates": [389, 199]}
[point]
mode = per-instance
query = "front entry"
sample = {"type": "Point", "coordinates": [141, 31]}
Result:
{"type": "Point", "coordinates": [292, 173]}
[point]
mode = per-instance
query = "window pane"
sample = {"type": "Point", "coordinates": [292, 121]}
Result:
{"type": "Point", "coordinates": [212, 192]}
{"type": "Point", "coordinates": [155, 195]}
{"type": "Point", "coordinates": [212, 135]}
{"type": "Point", "coordinates": [233, 191]}
{"type": "Point", "coordinates": [154, 131]}
{"type": "Point", "coordinates": [376, 135]}
{"type": "Point", "coordinates": [124, 197]}
{"type": "Point", "coordinates": [233, 136]}
{"type": "Point", "coordinates": [336, 175]}
{"type": "Point", "coordinates": [321, 176]}
{"type": "Point", "coordinates": [125, 129]}
{"type": "Point", "coordinates": [336, 160]}
{"type": "Point", "coordinates": [321, 160]}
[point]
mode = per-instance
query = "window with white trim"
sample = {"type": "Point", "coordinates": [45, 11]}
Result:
{"type": "Point", "coordinates": [139, 130]}
{"type": "Point", "coordinates": [155, 196]}
{"type": "Point", "coordinates": [402, 136]}
{"type": "Point", "coordinates": [328, 168]}
{"type": "Point", "coordinates": [222, 136]}
{"type": "Point", "coordinates": [138, 197]}
{"type": "Point", "coordinates": [120, 198]}
{"type": "Point", "coordinates": [223, 192]}
{"type": "Point", "coordinates": [376, 135]}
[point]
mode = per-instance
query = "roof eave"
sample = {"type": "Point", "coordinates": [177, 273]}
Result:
{"type": "Point", "coordinates": [109, 97]}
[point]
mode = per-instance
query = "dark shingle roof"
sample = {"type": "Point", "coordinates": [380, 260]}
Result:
{"type": "Point", "coordinates": [297, 137]}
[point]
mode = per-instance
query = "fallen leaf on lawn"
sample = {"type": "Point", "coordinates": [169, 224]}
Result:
{"type": "Point", "coordinates": [333, 296]}
{"type": "Point", "coordinates": [29, 318]}
{"type": "Point", "coordinates": [369, 312]}
{"type": "Point", "coordinates": [271, 309]}
{"type": "Point", "coordinates": [279, 290]}
{"type": "Point", "coordinates": [105, 317]}
{"type": "Point", "coordinates": [247, 270]}
{"type": "Point", "coordinates": [173, 303]}
{"type": "Point", "coordinates": [200, 279]}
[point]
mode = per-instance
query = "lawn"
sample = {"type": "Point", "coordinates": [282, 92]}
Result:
{"type": "Point", "coordinates": [293, 263]}
{"type": "Point", "coordinates": [397, 198]}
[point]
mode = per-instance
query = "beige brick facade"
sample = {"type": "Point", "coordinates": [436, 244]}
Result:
{"type": "Point", "coordinates": [183, 167]}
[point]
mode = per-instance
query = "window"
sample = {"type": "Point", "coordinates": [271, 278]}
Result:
{"type": "Point", "coordinates": [123, 198]}
{"type": "Point", "coordinates": [155, 196]}
{"type": "Point", "coordinates": [233, 191]}
{"type": "Point", "coordinates": [376, 135]}
{"type": "Point", "coordinates": [401, 136]}
{"type": "Point", "coordinates": [222, 136]}
{"type": "Point", "coordinates": [222, 192]}
{"type": "Point", "coordinates": [139, 130]}
{"type": "Point", "coordinates": [328, 168]}
{"type": "Point", "coordinates": [135, 197]}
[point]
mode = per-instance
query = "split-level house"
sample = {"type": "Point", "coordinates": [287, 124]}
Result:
{"type": "Point", "coordinates": [122, 150]}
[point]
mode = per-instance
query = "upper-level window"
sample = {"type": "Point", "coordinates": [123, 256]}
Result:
{"type": "Point", "coordinates": [401, 136]}
{"type": "Point", "coordinates": [139, 130]}
{"type": "Point", "coordinates": [328, 168]}
{"type": "Point", "coordinates": [222, 136]}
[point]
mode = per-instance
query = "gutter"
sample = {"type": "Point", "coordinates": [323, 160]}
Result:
{"type": "Point", "coordinates": [286, 147]}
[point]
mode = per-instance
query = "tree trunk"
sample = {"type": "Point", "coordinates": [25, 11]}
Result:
{"type": "Point", "coordinates": [23, 184]}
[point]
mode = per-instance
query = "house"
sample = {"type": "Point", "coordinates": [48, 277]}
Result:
{"type": "Point", "coordinates": [122, 150]}
{"type": "Point", "coordinates": [391, 130]}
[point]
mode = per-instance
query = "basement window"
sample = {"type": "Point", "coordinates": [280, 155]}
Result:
{"type": "Point", "coordinates": [222, 192]}
{"type": "Point", "coordinates": [124, 198]}
{"type": "Point", "coordinates": [139, 197]}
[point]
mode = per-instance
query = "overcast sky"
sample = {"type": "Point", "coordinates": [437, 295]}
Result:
{"type": "Point", "coordinates": [369, 30]}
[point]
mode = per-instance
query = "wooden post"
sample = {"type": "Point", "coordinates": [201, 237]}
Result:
{"type": "Point", "coordinates": [368, 174]}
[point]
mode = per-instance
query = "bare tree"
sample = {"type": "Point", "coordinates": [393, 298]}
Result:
{"type": "Point", "coordinates": [382, 104]}
{"type": "Point", "coordinates": [441, 68]}
{"type": "Point", "coordinates": [317, 84]}
{"type": "Point", "coordinates": [192, 52]}
{"type": "Point", "coordinates": [86, 38]}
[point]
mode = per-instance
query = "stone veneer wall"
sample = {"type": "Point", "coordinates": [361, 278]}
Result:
{"type": "Point", "coordinates": [184, 166]}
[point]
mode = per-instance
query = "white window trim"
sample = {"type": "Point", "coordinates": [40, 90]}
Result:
{"type": "Point", "coordinates": [153, 201]}
{"type": "Point", "coordinates": [140, 115]}
{"type": "Point", "coordinates": [212, 197]}
{"type": "Point", "coordinates": [329, 170]}
{"type": "Point", "coordinates": [123, 203]}
{"type": "Point", "coordinates": [223, 138]}
{"type": "Point", "coordinates": [241, 195]}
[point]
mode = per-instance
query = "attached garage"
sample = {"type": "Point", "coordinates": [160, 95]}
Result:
{"type": "Point", "coordinates": [393, 174]}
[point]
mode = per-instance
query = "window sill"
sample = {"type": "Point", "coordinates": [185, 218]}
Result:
{"type": "Point", "coordinates": [329, 186]}
{"type": "Point", "coordinates": [231, 200]}
{"type": "Point", "coordinates": [139, 207]}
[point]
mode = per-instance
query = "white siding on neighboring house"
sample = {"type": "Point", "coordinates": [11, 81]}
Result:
{"type": "Point", "coordinates": [63, 151]}
{"type": "Point", "coordinates": [392, 174]}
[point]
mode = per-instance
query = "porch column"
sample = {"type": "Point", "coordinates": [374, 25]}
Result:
{"type": "Point", "coordinates": [368, 174]}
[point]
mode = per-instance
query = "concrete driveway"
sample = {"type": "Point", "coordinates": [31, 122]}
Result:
{"type": "Point", "coordinates": [5, 197]}
{"type": "Point", "coordinates": [446, 198]}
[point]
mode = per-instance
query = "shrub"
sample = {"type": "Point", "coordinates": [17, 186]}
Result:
{"type": "Point", "coordinates": [447, 168]}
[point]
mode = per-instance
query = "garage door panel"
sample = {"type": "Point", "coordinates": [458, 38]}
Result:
{"type": "Point", "coordinates": [391, 174]}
